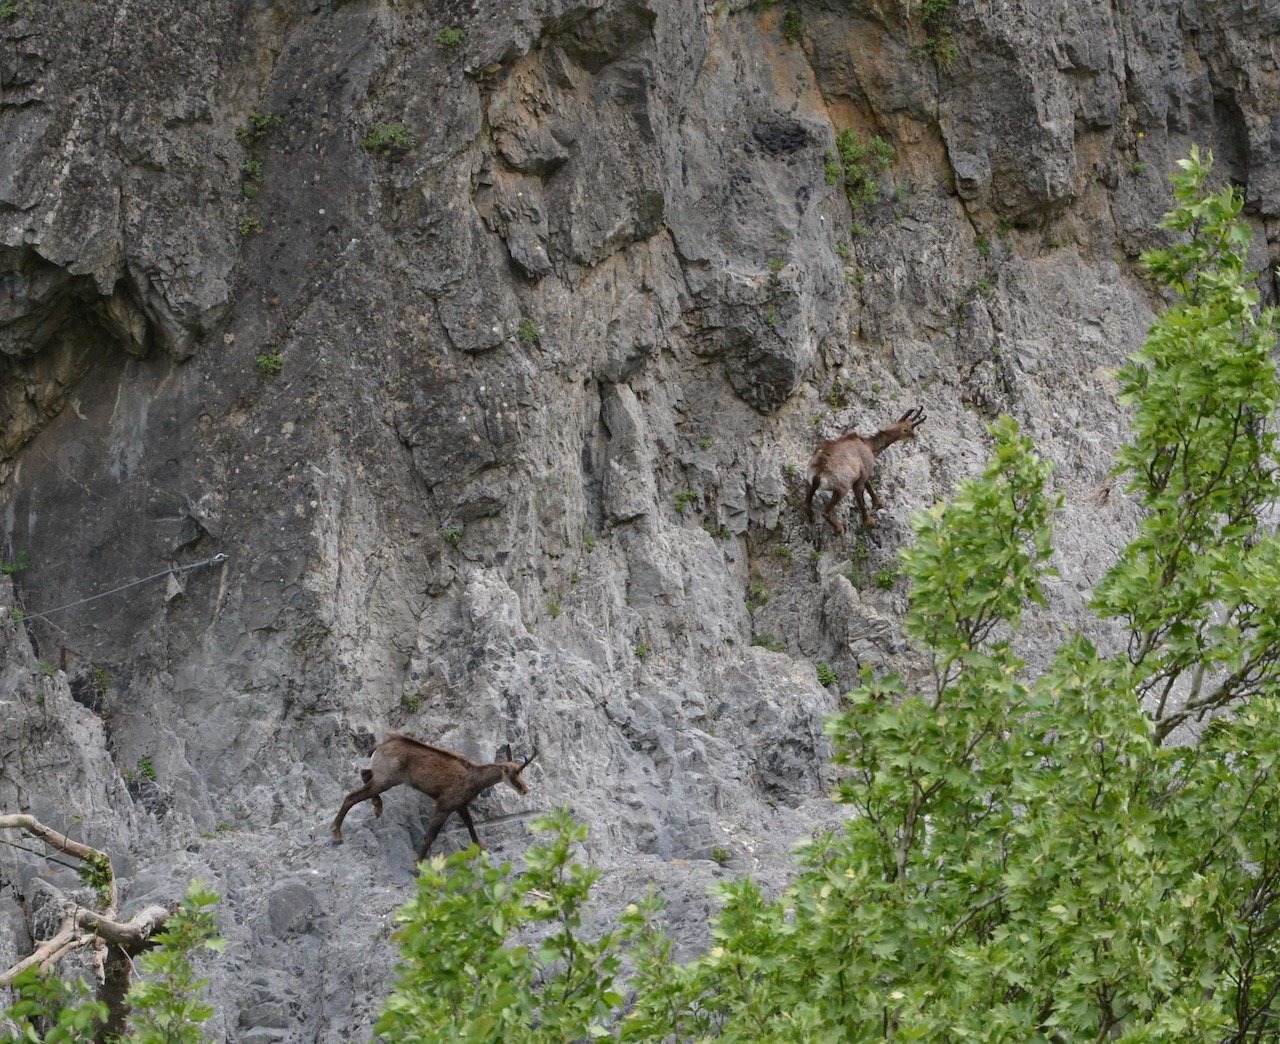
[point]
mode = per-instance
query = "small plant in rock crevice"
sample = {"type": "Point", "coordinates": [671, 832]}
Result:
{"type": "Point", "coordinates": [683, 499]}
{"type": "Point", "coordinates": [793, 25]}
{"type": "Point", "coordinates": [388, 138]}
{"type": "Point", "coordinates": [854, 166]}
{"type": "Point", "coordinates": [251, 135]}
{"type": "Point", "coordinates": [939, 43]}
{"type": "Point", "coordinates": [527, 331]}
{"type": "Point", "coordinates": [717, 531]}
{"type": "Point", "coordinates": [258, 127]}
{"type": "Point", "coordinates": [269, 363]}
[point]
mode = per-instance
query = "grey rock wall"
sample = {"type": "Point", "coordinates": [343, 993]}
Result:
{"type": "Point", "coordinates": [528, 472]}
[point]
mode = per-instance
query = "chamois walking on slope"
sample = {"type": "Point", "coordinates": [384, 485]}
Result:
{"type": "Point", "coordinates": [846, 463]}
{"type": "Point", "coordinates": [451, 780]}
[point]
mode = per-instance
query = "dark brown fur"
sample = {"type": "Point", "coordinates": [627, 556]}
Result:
{"type": "Point", "coordinates": [846, 464]}
{"type": "Point", "coordinates": [449, 779]}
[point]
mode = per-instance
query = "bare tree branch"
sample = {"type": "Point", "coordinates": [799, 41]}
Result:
{"type": "Point", "coordinates": [115, 940]}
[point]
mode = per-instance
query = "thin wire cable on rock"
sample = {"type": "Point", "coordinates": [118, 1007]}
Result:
{"type": "Point", "coordinates": [217, 559]}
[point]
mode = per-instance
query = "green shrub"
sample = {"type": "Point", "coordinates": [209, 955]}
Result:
{"type": "Point", "coordinates": [259, 125]}
{"type": "Point", "coordinates": [826, 675]}
{"type": "Point", "coordinates": [451, 36]}
{"type": "Point", "coordinates": [792, 25]}
{"type": "Point", "coordinates": [270, 363]}
{"type": "Point", "coordinates": [856, 165]}
{"type": "Point", "coordinates": [388, 137]}
{"type": "Point", "coordinates": [684, 498]}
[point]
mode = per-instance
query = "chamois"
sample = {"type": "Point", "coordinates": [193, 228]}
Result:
{"type": "Point", "coordinates": [450, 779]}
{"type": "Point", "coordinates": [847, 463]}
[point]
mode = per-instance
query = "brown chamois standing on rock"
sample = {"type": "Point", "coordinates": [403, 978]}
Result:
{"type": "Point", "coordinates": [846, 463]}
{"type": "Point", "coordinates": [450, 779]}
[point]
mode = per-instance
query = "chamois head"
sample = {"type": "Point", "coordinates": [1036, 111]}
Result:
{"type": "Point", "coordinates": [905, 426]}
{"type": "Point", "coordinates": [511, 771]}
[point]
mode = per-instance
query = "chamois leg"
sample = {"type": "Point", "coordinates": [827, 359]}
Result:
{"type": "Point", "coordinates": [836, 496]}
{"type": "Point", "coordinates": [876, 502]}
{"type": "Point", "coordinates": [814, 483]}
{"type": "Point", "coordinates": [471, 827]}
{"type": "Point", "coordinates": [433, 828]}
{"type": "Point", "coordinates": [859, 489]}
{"type": "Point", "coordinates": [369, 792]}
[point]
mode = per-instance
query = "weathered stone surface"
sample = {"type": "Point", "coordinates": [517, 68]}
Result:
{"type": "Point", "coordinates": [531, 468]}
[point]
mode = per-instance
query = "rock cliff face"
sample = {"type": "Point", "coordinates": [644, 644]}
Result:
{"type": "Point", "coordinates": [560, 294]}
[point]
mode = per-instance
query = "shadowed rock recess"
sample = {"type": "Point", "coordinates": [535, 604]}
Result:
{"type": "Point", "coordinates": [492, 359]}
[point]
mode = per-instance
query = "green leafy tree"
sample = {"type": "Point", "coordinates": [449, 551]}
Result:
{"type": "Point", "coordinates": [462, 979]}
{"type": "Point", "coordinates": [167, 1007]}
{"type": "Point", "coordinates": [50, 1010]}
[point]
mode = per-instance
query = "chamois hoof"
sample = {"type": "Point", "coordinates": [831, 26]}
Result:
{"type": "Point", "coordinates": [337, 839]}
